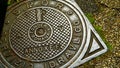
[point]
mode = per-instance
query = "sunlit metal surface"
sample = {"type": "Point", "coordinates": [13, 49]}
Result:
{"type": "Point", "coordinates": [48, 34]}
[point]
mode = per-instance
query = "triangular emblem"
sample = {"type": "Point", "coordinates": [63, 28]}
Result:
{"type": "Point", "coordinates": [95, 46]}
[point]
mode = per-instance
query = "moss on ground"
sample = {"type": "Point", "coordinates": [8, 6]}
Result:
{"type": "Point", "coordinates": [99, 30]}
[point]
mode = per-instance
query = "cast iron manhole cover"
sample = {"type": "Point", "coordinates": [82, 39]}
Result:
{"type": "Point", "coordinates": [48, 34]}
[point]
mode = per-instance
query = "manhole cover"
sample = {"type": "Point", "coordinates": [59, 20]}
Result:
{"type": "Point", "coordinates": [48, 34]}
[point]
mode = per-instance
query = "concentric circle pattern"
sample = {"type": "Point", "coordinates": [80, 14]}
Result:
{"type": "Point", "coordinates": [42, 33]}
{"type": "Point", "coordinates": [43, 39]}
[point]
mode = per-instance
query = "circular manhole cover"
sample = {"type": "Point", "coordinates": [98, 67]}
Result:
{"type": "Point", "coordinates": [44, 32]}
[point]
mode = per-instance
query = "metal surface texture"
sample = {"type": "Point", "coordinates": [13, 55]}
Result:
{"type": "Point", "coordinates": [48, 34]}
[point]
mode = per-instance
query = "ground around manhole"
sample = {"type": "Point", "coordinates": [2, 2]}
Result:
{"type": "Point", "coordinates": [105, 17]}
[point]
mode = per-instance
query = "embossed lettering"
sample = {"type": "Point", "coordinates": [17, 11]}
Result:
{"type": "Point", "coordinates": [62, 47]}
{"type": "Point", "coordinates": [17, 62]}
{"type": "Point", "coordinates": [69, 12]}
{"type": "Point", "coordinates": [59, 5]}
{"type": "Point", "coordinates": [76, 23]}
{"type": "Point", "coordinates": [77, 29]}
{"type": "Point", "coordinates": [16, 12]}
{"type": "Point", "coordinates": [30, 5]}
{"type": "Point", "coordinates": [45, 2]}
{"type": "Point", "coordinates": [52, 64]}
{"type": "Point", "coordinates": [58, 46]}
{"type": "Point", "coordinates": [41, 49]}
{"type": "Point", "coordinates": [47, 48]}
{"type": "Point", "coordinates": [76, 40]}
{"type": "Point", "coordinates": [72, 47]}
{"type": "Point", "coordinates": [39, 15]}
{"type": "Point", "coordinates": [68, 55]}
{"type": "Point", "coordinates": [61, 60]}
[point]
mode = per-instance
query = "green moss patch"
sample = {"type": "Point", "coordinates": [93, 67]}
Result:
{"type": "Point", "coordinates": [99, 30]}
